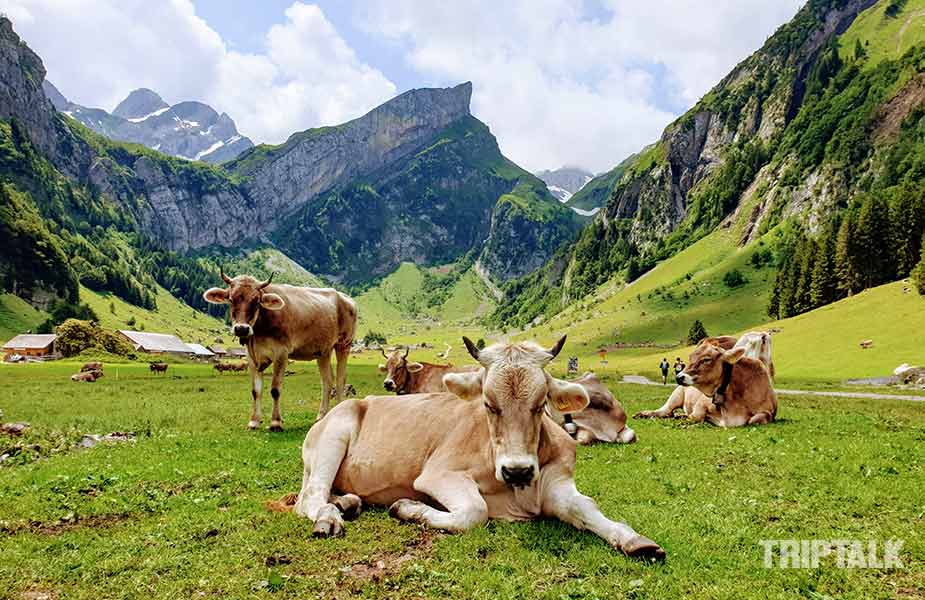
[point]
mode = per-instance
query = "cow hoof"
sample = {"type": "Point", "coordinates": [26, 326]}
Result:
{"type": "Point", "coordinates": [405, 510]}
{"type": "Point", "coordinates": [253, 425]}
{"type": "Point", "coordinates": [276, 427]}
{"type": "Point", "coordinates": [644, 548]}
{"type": "Point", "coordinates": [329, 523]}
{"type": "Point", "coordinates": [350, 506]}
{"type": "Point", "coordinates": [642, 415]}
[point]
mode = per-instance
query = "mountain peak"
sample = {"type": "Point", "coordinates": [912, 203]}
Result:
{"type": "Point", "coordinates": [139, 103]}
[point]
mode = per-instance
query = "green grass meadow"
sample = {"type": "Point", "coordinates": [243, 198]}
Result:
{"type": "Point", "coordinates": [180, 514]}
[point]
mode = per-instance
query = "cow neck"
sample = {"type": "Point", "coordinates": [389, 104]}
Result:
{"type": "Point", "coordinates": [409, 379]}
{"type": "Point", "coordinates": [720, 392]}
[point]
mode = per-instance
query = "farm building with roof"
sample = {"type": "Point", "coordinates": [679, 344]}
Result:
{"type": "Point", "coordinates": [31, 344]}
{"type": "Point", "coordinates": [156, 343]}
{"type": "Point", "coordinates": [201, 351]}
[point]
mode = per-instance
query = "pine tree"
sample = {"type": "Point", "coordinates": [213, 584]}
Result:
{"type": "Point", "coordinates": [824, 288]}
{"type": "Point", "coordinates": [774, 300]}
{"type": "Point", "coordinates": [845, 259]}
{"type": "Point", "coordinates": [787, 300]}
{"type": "Point", "coordinates": [696, 333]}
{"type": "Point", "coordinates": [908, 224]}
{"type": "Point", "coordinates": [874, 243]}
{"type": "Point", "coordinates": [804, 281]}
{"type": "Point", "coordinates": [918, 273]}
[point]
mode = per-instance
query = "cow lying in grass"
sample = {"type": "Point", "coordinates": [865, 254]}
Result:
{"type": "Point", "coordinates": [454, 465]}
{"type": "Point", "coordinates": [233, 367]}
{"type": "Point", "coordinates": [92, 366]}
{"type": "Point", "coordinates": [724, 386]}
{"type": "Point", "coordinates": [603, 420]}
{"type": "Point", "coordinates": [88, 376]}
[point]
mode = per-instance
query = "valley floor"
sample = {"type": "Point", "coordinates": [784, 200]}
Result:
{"type": "Point", "coordinates": [179, 513]}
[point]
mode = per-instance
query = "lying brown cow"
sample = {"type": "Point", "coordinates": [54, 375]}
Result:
{"type": "Point", "coordinates": [454, 465]}
{"type": "Point", "coordinates": [234, 367]}
{"type": "Point", "coordinates": [407, 377]}
{"type": "Point", "coordinates": [603, 420]}
{"type": "Point", "coordinates": [88, 376]}
{"type": "Point", "coordinates": [158, 367]}
{"type": "Point", "coordinates": [92, 366]}
{"type": "Point", "coordinates": [282, 322]}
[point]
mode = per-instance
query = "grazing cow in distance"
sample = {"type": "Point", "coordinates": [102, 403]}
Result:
{"type": "Point", "coordinates": [158, 367]}
{"type": "Point", "coordinates": [88, 376]}
{"type": "Point", "coordinates": [739, 388]}
{"type": "Point", "coordinates": [281, 322]}
{"type": "Point", "coordinates": [92, 366]}
{"type": "Point", "coordinates": [234, 367]}
{"type": "Point", "coordinates": [454, 465]}
{"type": "Point", "coordinates": [408, 377]}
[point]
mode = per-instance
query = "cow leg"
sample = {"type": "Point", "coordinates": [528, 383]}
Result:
{"type": "Point", "coordinates": [561, 499]}
{"type": "Point", "coordinates": [324, 367]}
{"type": "Point", "coordinates": [322, 457]}
{"type": "Point", "coordinates": [466, 508]}
{"type": "Point", "coordinates": [256, 392]}
{"type": "Point", "coordinates": [342, 353]}
{"type": "Point", "coordinates": [674, 402]}
{"type": "Point", "coordinates": [279, 371]}
{"type": "Point", "coordinates": [762, 418]}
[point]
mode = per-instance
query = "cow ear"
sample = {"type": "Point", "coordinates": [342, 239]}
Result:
{"type": "Point", "coordinates": [414, 367]}
{"type": "Point", "coordinates": [733, 356]}
{"type": "Point", "coordinates": [382, 368]}
{"type": "Point", "coordinates": [271, 301]}
{"type": "Point", "coordinates": [216, 295]}
{"type": "Point", "coordinates": [566, 397]}
{"type": "Point", "coordinates": [465, 385]}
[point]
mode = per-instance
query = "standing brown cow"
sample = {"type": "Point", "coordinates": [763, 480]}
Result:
{"type": "Point", "coordinates": [158, 367]}
{"type": "Point", "coordinates": [281, 322]}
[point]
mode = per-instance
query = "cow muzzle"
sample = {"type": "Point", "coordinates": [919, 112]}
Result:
{"type": "Point", "coordinates": [242, 330]}
{"type": "Point", "coordinates": [389, 385]}
{"type": "Point", "coordinates": [517, 473]}
{"type": "Point", "coordinates": [684, 379]}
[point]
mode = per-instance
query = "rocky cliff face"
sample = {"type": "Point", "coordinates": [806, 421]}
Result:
{"type": "Point", "coordinates": [190, 130]}
{"type": "Point", "coordinates": [414, 179]}
{"type": "Point", "coordinates": [565, 182]}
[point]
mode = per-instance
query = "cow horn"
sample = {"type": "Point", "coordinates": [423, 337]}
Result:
{"type": "Point", "coordinates": [555, 350]}
{"type": "Point", "coordinates": [225, 278]}
{"type": "Point", "coordinates": [407, 349]}
{"type": "Point", "coordinates": [267, 282]}
{"type": "Point", "coordinates": [472, 348]}
{"type": "Point", "coordinates": [384, 355]}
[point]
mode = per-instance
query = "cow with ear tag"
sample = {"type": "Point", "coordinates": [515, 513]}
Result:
{"type": "Point", "coordinates": [278, 322]}
{"type": "Point", "coordinates": [454, 465]}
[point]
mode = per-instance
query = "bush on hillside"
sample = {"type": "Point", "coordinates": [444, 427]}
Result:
{"type": "Point", "coordinates": [374, 337]}
{"type": "Point", "coordinates": [76, 336]}
{"type": "Point", "coordinates": [734, 279]}
{"type": "Point", "coordinates": [696, 333]}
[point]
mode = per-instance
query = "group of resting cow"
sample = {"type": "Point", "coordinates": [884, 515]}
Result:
{"type": "Point", "coordinates": [461, 445]}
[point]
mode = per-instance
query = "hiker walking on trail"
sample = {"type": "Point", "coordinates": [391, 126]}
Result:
{"type": "Point", "coordinates": [664, 367]}
{"type": "Point", "coordinates": [678, 366]}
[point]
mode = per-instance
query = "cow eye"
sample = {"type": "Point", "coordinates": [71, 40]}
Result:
{"type": "Point", "coordinates": [538, 409]}
{"type": "Point", "coordinates": [492, 409]}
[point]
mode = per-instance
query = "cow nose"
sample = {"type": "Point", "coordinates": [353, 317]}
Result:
{"type": "Point", "coordinates": [242, 331]}
{"type": "Point", "coordinates": [680, 379]}
{"type": "Point", "coordinates": [389, 385]}
{"type": "Point", "coordinates": [517, 475]}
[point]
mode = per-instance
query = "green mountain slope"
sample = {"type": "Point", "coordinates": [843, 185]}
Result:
{"type": "Point", "coordinates": [596, 193]}
{"type": "Point", "coordinates": [794, 135]}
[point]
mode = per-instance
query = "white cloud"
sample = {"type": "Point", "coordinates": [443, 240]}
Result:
{"type": "Point", "coordinates": [96, 51]}
{"type": "Point", "coordinates": [558, 86]}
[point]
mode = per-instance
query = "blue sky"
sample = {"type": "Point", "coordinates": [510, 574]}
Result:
{"type": "Point", "coordinates": [560, 82]}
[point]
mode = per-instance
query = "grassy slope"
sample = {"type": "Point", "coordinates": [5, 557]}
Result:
{"type": "Point", "coordinates": [17, 316]}
{"type": "Point", "coordinates": [397, 306]}
{"type": "Point", "coordinates": [181, 511]}
{"type": "Point", "coordinates": [884, 37]}
{"type": "Point", "coordinates": [171, 316]}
